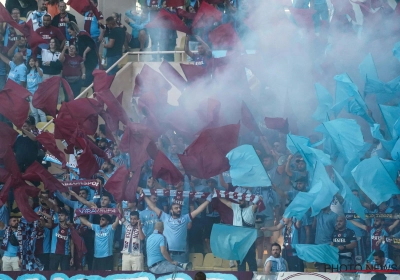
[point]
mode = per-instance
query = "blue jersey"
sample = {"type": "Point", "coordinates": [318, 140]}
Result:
{"type": "Point", "coordinates": [33, 80]}
{"type": "Point", "coordinates": [103, 241]}
{"type": "Point", "coordinates": [153, 244]}
{"type": "Point", "coordinates": [60, 239]}
{"type": "Point", "coordinates": [94, 24]}
{"type": "Point", "coordinates": [17, 72]}
{"type": "Point", "coordinates": [148, 219]}
{"type": "Point", "coordinates": [175, 230]}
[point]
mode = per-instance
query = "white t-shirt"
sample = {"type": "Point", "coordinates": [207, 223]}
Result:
{"type": "Point", "coordinates": [47, 56]}
{"type": "Point", "coordinates": [248, 215]}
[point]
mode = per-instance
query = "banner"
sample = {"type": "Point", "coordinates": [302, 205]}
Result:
{"type": "Point", "coordinates": [351, 216]}
{"type": "Point", "coordinates": [97, 211]}
{"type": "Point", "coordinates": [94, 184]}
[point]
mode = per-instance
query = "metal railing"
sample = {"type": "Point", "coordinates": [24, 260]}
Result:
{"type": "Point", "coordinates": [85, 92]}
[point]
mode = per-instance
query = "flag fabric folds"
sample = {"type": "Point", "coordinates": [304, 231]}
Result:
{"type": "Point", "coordinates": [87, 163]}
{"type": "Point", "coordinates": [324, 253]}
{"type": "Point", "coordinates": [246, 169]}
{"type": "Point", "coordinates": [248, 119]}
{"type": "Point", "coordinates": [163, 168]}
{"type": "Point", "coordinates": [230, 242]}
{"type": "Point", "coordinates": [206, 16]}
{"type": "Point", "coordinates": [36, 172]}
{"type": "Point", "coordinates": [172, 75]}
{"type": "Point", "coordinates": [102, 81]}
{"type": "Point", "coordinates": [7, 138]}
{"type": "Point", "coordinates": [224, 37]}
{"type": "Point", "coordinates": [391, 115]}
{"type": "Point", "coordinates": [116, 185]}
{"type": "Point", "coordinates": [83, 6]}
{"type": "Point", "coordinates": [205, 157]}
{"type": "Point", "coordinates": [13, 103]}
{"type": "Point", "coordinates": [376, 178]}
{"type": "Point", "coordinates": [325, 102]}
{"type": "Point", "coordinates": [278, 124]}
{"type": "Point", "coordinates": [300, 205]}
{"type": "Point", "coordinates": [167, 20]}
{"type": "Point", "coordinates": [367, 68]}
{"type": "Point", "coordinates": [175, 3]}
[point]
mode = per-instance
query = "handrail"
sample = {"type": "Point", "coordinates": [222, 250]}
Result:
{"type": "Point", "coordinates": [85, 91]}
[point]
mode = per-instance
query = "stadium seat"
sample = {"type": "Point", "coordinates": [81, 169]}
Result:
{"type": "Point", "coordinates": [210, 261]}
{"type": "Point", "coordinates": [309, 267]}
{"type": "Point", "coordinates": [197, 260]}
{"type": "Point", "coordinates": [225, 266]}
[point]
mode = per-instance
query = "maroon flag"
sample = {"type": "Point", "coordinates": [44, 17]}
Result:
{"type": "Point", "coordinates": [64, 129]}
{"type": "Point", "coordinates": [248, 120]}
{"type": "Point", "coordinates": [208, 112]}
{"type": "Point", "coordinates": [6, 189]}
{"type": "Point", "coordinates": [163, 168]}
{"type": "Point", "coordinates": [303, 17]}
{"type": "Point", "coordinates": [166, 20]}
{"type": "Point", "coordinates": [224, 37]}
{"type": "Point", "coordinates": [85, 111]}
{"type": "Point", "coordinates": [7, 138]}
{"type": "Point", "coordinates": [6, 17]}
{"type": "Point", "coordinates": [102, 81]}
{"type": "Point", "coordinates": [206, 156]}
{"type": "Point", "coordinates": [182, 13]}
{"type": "Point", "coordinates": [278, 124]}
{"type": "Point", "coordinates": [117, 183]}
{"type": "Point", "coordinates": [175, 3]}
{"type": "Point", "coordinates": [149, 80]}
{"type": "Point", "coordinates": [79, 243]}
{"type": "Point", "coordinates": [22, 192]}
{"type": "Point", "coordinates": [114, 107]}
{"type": "Point", "coordinates": [3, 175]}
{"type": "Point", "coordinates": [172, 75]}
{"type": "Point", "coordinates": [13, 103]}
{"type": "Point", "coordinates": [10, 163]}
{"type": "Point", "coordinates": [46, 96]}
{"type": "Point", "coordinates": [49, 143]}
{"type": "Point", "coordinates": [194, 73]}
{"type": "Point", "coordinates": [34, 39]}
{"type": "Point", "coordinates": [87, 163]}
{"type": "Point", "coordinates": [50, 182]}
{"type": "Point", "coordinates": [135, 141]}
{"type": "Point", "coordinates": [131, 188]}
{"type": "Point", "coordinates": [95, 149]}
{"type": "Point", "coordinates": [206, 16]}
{"type": "Point", "coordinates": [83, 6]}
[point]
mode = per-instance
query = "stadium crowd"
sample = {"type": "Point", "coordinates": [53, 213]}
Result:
{"type": "Point", "coordinates": [135, 190]}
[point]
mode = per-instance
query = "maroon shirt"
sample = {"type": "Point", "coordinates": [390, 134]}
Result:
{"type": "Point", "coordinates": [48, 33]}
{"type": "Point", "coordinates": [72, 66]}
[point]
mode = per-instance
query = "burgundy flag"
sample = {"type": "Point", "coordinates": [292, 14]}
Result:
{"type": "Point", "coordinates": [131, 188]}
{"type": "Point", "coordinates": [83, 6]}
{"type": "Point", "coordinates": [87, 163]}
{"type": "Point", "coordinates": [206, 16]}
{"type": "Point", "coordinates": [248, 120]}
{"type": "Point", "coordinates": [278, 124]}
{"type": "Point", "coordinates": [149, 80]}
{"type": "Point", "coordinates": [13, 103]}
{"type": "Point", "coordinates": [46, 96]}
{"type": "Point", "coordinates": [166, 20]}
{"type": "Point", "coordinates": [163, 168]}
{"type": "Point", "coordinates": [96, 149]}
{"type": "Point", "coordinates": [6, 189]}
{"type": "Point", "coordinates": [102, 81]}
{"type": "Point", "coordinates": [85, 111]}
{"type": "Point", "coordinates": [206, 156]}
{"type": "Point", "coordinates": [37, 171]}
{"type": "Point", "coordinates": [114, 107]}
{"type": "Point", "coordinates": [33, 38]}
{"type": "Point", "coordinates": [194, 73]}
{"type": "Point", "coordinates": [22, 192]}
{"type": "Point", "coordinates": [7, 138]}
{"type": "Point", "coordinates": [224, 37]}
{"type": "Point", "coordinates": [64, 129]}
{"type": "Point", "coordinates": [117, 183]}
{"type": "Point", "coordinates": [175, 3]}
{"type": "Point", "coordinates": [135, 141]}
{"type": "Point", "coordinates": [10, 163]}
{"type": "Point", "coordinates": [49, 143]}
{"type": "Point", "coordinates": [172, 75]}
{"type": "Point", "coordinates": [3, 175]}
{"type": "Point", "coordinates": [79, 243]}
{"type": "Point", "coordinates": [182, 13]}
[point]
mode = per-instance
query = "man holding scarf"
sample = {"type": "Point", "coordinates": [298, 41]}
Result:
{"type": "Point", "coordinates": [132, 251]}
{"type": "Point", "coordinates": [11, 259]}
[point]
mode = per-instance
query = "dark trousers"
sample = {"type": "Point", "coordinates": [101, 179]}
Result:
{"type": "Point", "coordinates": [59, 260]}
{"type": "Point", "coordinates": [76, 87]}
{"type": "Point", "coordinates": [89, 241]}
{"type": "Point", "coordinates": [250, 259]}
{"type": "Point", "coordinates": [45, 260]}
{"type": "Point", "coordinates": [295, 264]}
{"type": "Point", "coordinates": [106, 263]}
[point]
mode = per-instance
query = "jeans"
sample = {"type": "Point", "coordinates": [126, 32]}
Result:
{"type": "Point", "coordinates": [250, 258]}
{"type": "Point", "coordinates": [38, 114]}
{"type": "Point", "coordinates": [181, 257]}
{"type": "Point", "coordinates": [110, 62]}
{"type": "Point", "coordinates": [105, 49]}
{"type": "Point", "coordinates": [165, 267]}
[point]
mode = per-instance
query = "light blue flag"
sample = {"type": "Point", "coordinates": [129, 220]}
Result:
{"type": "Point", "coordinates": [246, 168]}
{"type": "Point", "coordinates": [90, 277]}
{"type": "Point", "coordinates": [59, 276]}
{"type": "Point", "coordinates": [347, 96]}
{"type": "Point", "coordinates": [367, 68]}
{"type": "Point", "coordinates": [138, 275]}
{"type": "Point", "coordinates": [349, 197]}
{"type": "Point", "coordinates": [348, 138]}
{"type": "Point", "coordinates": [376, 177]}
{"type": "Point", "coordinates": [300, 205]}
{"type": "Point", "coordinates": [376, 133]}
{"type": "Point", "coordinates": [293, 142]}
{"type": "Point", "coordinates": [324, 253]}
{"type": "Point", "coordinates": [221, 276]}
{"type": "Point", "coordinates": [323, 186]}
{"type": "Point", "coordinates": [179, 275]}
{"type": "Point", "coordinates": [325, 102]}
{"type": "Point", "coordinates": [231, 242]}
{"type": "Point", "coordinates": [391, 115]}
{"type": "Point", "coordinates": [396, 50]}
{"type": "Point", "coordinates": [31, 277]}
{"type": "Point", "coordinates": [396, 151]}
{"type": "Point", "coordinates": [5, 277]}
